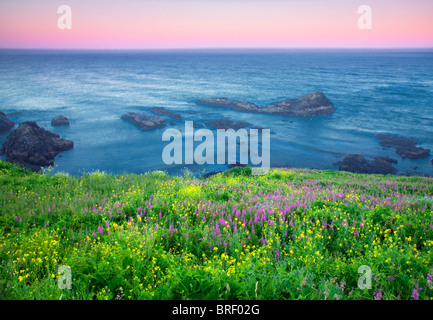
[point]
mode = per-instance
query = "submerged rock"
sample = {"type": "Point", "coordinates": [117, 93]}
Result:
{"type": "Point", "coordinates": [164, 112]}
{"type": "Point", "coordinates": [197, 125]}
{"type": "Point", "coordinates": [358, 164]}
{"type": "Point", "coordinates": [6, 124]}
{"type": "Point", "coordinates": [405, 147]}
{"type": "Point", "coordinates": [227, 124]}
{"type": "Point", "coordinates": [33, 146]}
{"type": "Point", "coordinates": [313, 104]}
{"type": "Point", "coordinates": [144, 121]}
{"type": "Point", "coordinates": [412, 153]}
{"type": "Point", "coordinates": [60, 121]}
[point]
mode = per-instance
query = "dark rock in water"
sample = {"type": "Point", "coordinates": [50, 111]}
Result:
{"type": "Point", "coordinates": [260, 130]}
{"type": "Point", "coordinates": [405, 147]}
{"type": "Point", "coordinates": [431, 161]}
{"type": "Point", "coordinates": [358, 164]}
{"type": "Point", "coordinates": [210, 174]}
{"type": "Point", "coordinates": [144, 121]}
{"type": "Point", "coordinates": [388, 140]}
{"type": "Point", "coordinates": [172, 122]}
{"type": "Point", "coordinates": [33, 146]}
{"type": "Point", "coordinates": [415, 168]}
{"type": "Point", "coordinates": [227, 124]}
{"type": "Point", "coordinates": [412, 153]}
{"type": "Point", "coordinates": [164, 112]}
{"type": "Point", "coordinates": [197, 125]}
{"type": "Point", "coordinates": [60, 121]}
{"type": "Point", "coordinates": [387, 159]}
{"type": "Point", "coordinates": [14, 114]}
{"type": "Point", "coordinates": [237, 164]}
{"type": "Point", "coordinates": [6, 124]}
{"type": "Point", "coordinates": [313, 104]}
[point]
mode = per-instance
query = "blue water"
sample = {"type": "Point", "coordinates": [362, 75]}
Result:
{"type": "Point", "coordinates": [374, 91]}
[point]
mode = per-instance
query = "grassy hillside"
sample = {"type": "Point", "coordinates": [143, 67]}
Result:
{"type": "Point", "coordinates": [291, 234]}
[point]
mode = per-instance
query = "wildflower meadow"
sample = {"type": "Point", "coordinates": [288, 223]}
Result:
{"type": "Point", "coordinates": [289, 234]}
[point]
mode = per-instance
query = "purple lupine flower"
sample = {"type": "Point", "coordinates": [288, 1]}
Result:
{"type": "Point", "coordinates": [222, 222]}
{"type": "Point", "coordinates": [100, 230]}
{"type": "Point", "coordinates": [378, 296]}
{"type": "Point", "coordinates": [415, 294]}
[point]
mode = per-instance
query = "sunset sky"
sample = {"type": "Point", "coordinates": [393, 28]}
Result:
{"type": "Point", "coordinates": [134, 24]}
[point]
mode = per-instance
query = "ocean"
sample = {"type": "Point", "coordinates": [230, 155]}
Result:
{"type": "Point", "coordinates": [373, 91]}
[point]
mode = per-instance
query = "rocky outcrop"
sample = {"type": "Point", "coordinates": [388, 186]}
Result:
{"type": "Point", "coordinates": [60, 121]}
{"type": "Point", "coordinates": [227, 124]}
{"type": "Point", "coordinates": [160, 111]}
{"type": "Point", "coordinates": [405, 147]}
{"type": "Point", "coordinates": [32, 145]}
{"type": "Point", "coordinates": [210, 174]}
{"type": "Point", "coordinates": [144, 121]}
{"type": "Point", "coordinates": [6, 124]}
{"type": "Point", "coordinates": [236, 164]}
{"type": "Point", "coordinates": [313, 104]}
{"type": "Point", "coordinates": [358, 164]}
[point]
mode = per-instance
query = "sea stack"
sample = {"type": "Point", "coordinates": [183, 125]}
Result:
{"type": "Point", "coordinates": [34, 146]}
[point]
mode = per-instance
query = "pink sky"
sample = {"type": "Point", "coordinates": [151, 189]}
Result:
{"type": "Point", "coordinates": [134, 24]}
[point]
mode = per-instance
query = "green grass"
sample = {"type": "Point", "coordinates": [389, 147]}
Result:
{"type": "Point", "coordinates": [290, 234]}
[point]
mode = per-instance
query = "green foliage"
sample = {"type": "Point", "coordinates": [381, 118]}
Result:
{"type": "Point", "coordinates": [238, 171]}
{"type": "Point", "coordinates": [289, 234]}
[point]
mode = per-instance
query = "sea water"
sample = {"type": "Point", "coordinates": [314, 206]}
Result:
{"type": "Point", "coordinates": [373, 91]}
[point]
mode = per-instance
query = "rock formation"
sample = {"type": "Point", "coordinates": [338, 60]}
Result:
{"type": "Point", "coordinates": [6, 124]}
{"type": "Point", "coordinates": [144, 121]}
{"type": "Point", "coordinates": [313, 104]}
{"type": "Point", "coordinates": [160, 111]}
{"type": "Point", "coordinates": [358, 164]}
{"type": "Point", "coordinates": [405, 147]}
{"type": "Point", "coordinates": [32, 145]}
{"type": "Point", "coordinates": [60, 121]}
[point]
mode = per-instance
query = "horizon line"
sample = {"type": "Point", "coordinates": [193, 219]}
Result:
{"type": "Point", "coordinates": [224, 48]}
